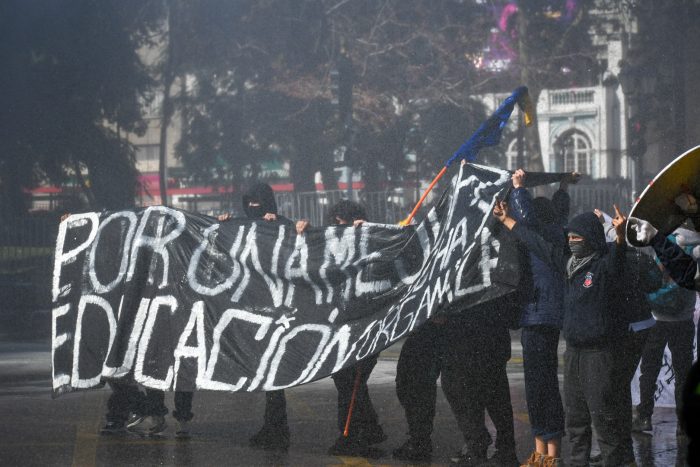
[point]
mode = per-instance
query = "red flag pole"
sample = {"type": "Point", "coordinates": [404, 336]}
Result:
{"type": "Point", "coordinates": [356, 386]}
{"type": "Point", "coordinates": [410, 217]}
{"type": "Point", "coordinates": [502, 115]}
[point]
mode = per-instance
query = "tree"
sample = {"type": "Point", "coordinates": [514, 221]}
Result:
{"type": "Point", "coordinates": [259, 91]}
{"type": "Point", "coordinates": [74, 84]}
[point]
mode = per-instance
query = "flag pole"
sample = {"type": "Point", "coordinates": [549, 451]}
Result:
{"type": "Point", "coordinates": [488, 134]}
{"type": "Point", "coordinates": [356, 386]}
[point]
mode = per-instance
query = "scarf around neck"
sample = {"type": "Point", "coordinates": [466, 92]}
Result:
{"type": "Point", "coordinates": [575, 264]}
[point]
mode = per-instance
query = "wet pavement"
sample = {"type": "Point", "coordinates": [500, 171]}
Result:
{"type": "Point", "coordinates": [38, 430]}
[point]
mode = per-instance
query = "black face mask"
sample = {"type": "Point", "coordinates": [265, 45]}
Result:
{"type": "Point", "coordinates": [255, 212]}
{"type": "Point", "coordinates": [580, 249]}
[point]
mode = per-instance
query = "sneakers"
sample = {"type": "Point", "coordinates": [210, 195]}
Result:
{"type": "Point", "coordinates": [183, 430]}
{"type": "Point", "coordinates": [113, 428]}
{"type": "Point", "coordinates": [148, 426]}
{"type": "Point", "coordinates": [414, 451]}
{"type": "Point", "coordinates": [641, 424]}
{"type": "Point", "coordinates": [274, 439]}
{"type": "Point", "coordinates": [468, 458]}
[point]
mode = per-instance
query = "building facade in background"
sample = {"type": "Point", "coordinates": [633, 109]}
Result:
{"type": "Point", "coordinates": [582, 129]}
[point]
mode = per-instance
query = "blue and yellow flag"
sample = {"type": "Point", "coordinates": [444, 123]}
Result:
{"type": "Point", "coordinates": [489, 133]}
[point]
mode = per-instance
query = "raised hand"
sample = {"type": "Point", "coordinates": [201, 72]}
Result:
{"type": "Point", "coordinates": [644, 230]}
{"type": "Point", "coordinates": [223, 217]}
{"type": "Point", "coordinates": [619, 222]}
{"type": "Point", "coordinates": [518, 178]}
{"type": "Point", "coordinates": [302, 225]}
{"type": "Point", "coordinates": [500, 212]}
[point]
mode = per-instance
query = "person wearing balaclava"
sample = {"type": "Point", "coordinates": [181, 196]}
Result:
{"type": "Point", "coordinates": [259, 203]}
{"type": "Point", "coordinates": [593, 272]}
{"type": "Point", "coordinates": [634, 319]}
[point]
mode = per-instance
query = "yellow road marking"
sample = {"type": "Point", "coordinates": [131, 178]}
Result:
{"type": "Point", "coordinates": [86, 438]}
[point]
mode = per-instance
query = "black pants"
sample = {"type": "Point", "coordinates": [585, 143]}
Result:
{"type": "Point", "coordinates": [364, 417]}
{"type": "Point", "coordinates": [155, 404]}
{"type": "Point", "coordinates": [592, 394]}
{"type": "Point", "coordinates": [541, 363]}
{"type": "Point", "coordinates": [678, 335]}
{"type": "Point", "coordinates": [627, 357]}
{"type": "Point", "coordinates": [275, 411]}
{"type": "Point", "coordinates": [474, 379]}
{"type": "Point", "coordinates": [125, 399]}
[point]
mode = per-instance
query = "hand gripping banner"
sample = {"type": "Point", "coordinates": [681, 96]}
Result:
{"type": "Point", "coordinates": [176, 300]}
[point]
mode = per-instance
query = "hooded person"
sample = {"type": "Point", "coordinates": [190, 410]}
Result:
{"type": "Point", "coordinates": [634, 317]}
{"type": "Point", "coordinates": [592, 390]}
{"type": "Point", "coordinates": [259, 203]}
{"type": "Point", "coordinates": [364, 429]}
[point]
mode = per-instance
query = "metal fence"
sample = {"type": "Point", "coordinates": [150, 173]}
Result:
{"type": "Point", "coordinates": [600, 194]}
{"type": "Point", "coordinates": [26, 251]}
{"type": "Point", "coordinates": [23, 238]}
{"type": "Point", "coordinates": [27, 238]}
{"type": "Point", "coordinates": [382, 206]}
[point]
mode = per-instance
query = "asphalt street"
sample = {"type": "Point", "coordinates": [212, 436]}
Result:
{"type": "Point", "coordinates": [39, 430]}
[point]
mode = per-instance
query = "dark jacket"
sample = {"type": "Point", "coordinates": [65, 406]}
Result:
{"type": "Point", "coordinates": [547, 303]}
{"type": "Point", "coordinates": [641, 277]}
{"type": "Point", "coordinates": [589, 295]}
{"type": "Point", "coordinates": [680, 266]}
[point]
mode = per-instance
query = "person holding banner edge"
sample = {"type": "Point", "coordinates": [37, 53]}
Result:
{"type": "Point", "coordinates": [259, 203]}
{"type": "Point", "coordinates": [359, 427]}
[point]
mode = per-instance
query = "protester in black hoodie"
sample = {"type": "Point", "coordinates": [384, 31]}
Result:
{"type": "Point", "coordinates": [364, 429]}
{"type": "Point", "coordinates": [259, 203]}
{"type": "Point", "coordinates": [594, 273]}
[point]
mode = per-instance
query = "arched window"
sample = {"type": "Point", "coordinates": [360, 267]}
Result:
{"type": "Point", "coordinates": [512, 154]}
{"type": "Point", "coordinates": [573, 152]}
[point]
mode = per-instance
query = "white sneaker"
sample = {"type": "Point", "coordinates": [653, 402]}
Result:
{"type": "Point", "coordinates": [151, 425]}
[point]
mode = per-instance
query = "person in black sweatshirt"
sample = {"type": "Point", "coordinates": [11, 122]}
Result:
{"type": "Point", "coordinates": [364, 430]}
{"type": "Point", "coordinates": [592, 389]}
{"type": "Point", "coordinates": [259, 203]}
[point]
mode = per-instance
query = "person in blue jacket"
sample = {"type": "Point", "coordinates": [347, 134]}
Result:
{"type": "Point", "coordinates": [592, 390]}
{"type": "Point", "coordinates": [541, 317]}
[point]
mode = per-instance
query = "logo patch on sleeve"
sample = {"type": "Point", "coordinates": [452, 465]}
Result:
{"type": "Point", "coordinates": [588, 280]}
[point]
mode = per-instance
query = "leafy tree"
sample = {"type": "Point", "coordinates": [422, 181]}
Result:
{"type": "Point", "coordinates": [73, 85]}
{"type": "Point", "coordinates": [255, 91]}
